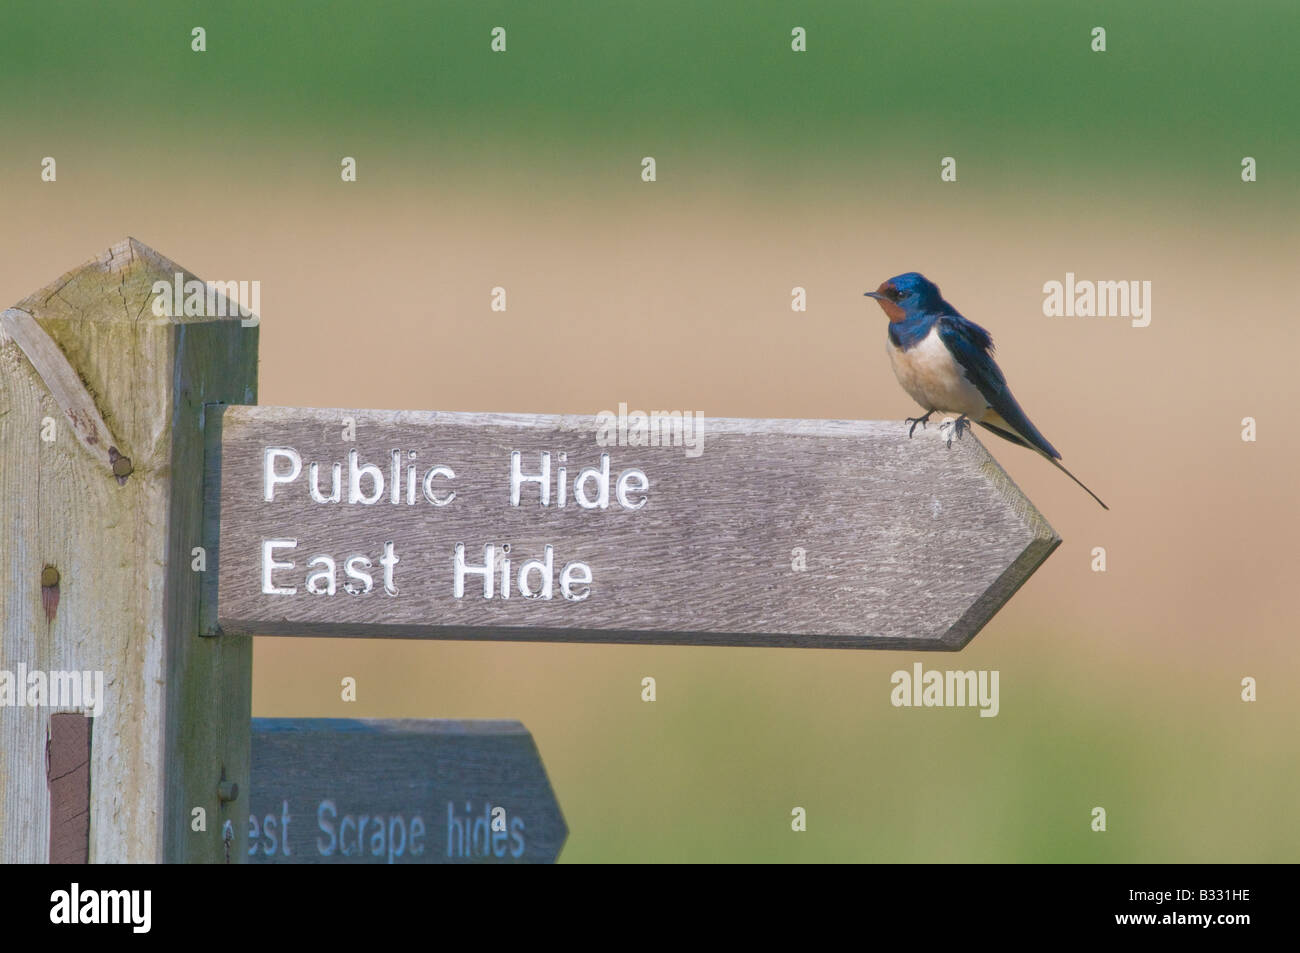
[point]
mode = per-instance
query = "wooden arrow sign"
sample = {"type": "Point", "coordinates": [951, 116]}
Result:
{"type": "Point", "coordinates": [823, 533]}
{"type": "Point", "coordinates": [333, 790]}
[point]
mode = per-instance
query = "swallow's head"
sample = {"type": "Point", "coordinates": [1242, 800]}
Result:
{"type": "Point", "coordinates": [906, 295]}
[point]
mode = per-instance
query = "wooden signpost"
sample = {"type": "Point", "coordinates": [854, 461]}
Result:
{"type": "Point", "coordinates": [101, 503]}
{"type": "Point", "coordinates": [143, 510]}
{"type": "Point", "coordinates": [415, 524]}
{"type": "Point", "coordinates": [328, 790]}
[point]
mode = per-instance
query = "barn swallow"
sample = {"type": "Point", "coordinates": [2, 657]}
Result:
{"type": "Point", "coordinates": [946, 363]}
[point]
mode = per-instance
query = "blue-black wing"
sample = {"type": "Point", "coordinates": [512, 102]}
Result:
{"type": "Point", "coordinates": [972, 347]}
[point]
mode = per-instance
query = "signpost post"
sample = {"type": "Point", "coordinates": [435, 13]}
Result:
{"type": "Point", "coordinates": [332, 790]}
{"type": "Point", "coordinates": [101, 502]}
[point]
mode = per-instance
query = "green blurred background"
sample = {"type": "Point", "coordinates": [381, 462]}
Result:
{"type": "Point", "coordinates": [775, 169]}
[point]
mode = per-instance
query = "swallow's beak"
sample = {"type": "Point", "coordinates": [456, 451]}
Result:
{"type": "Point", "coordinates": [885, 296]}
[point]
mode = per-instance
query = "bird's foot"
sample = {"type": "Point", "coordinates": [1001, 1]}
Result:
{"type": "Point", "coordinates": [914, 421]}
{"type": "Point", "coordinates": [955, 428]}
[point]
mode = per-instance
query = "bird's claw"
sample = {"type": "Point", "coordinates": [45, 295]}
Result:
{"type": "Point", "coordinates": [955, 428]}
{"type": "Point", "coordinates": [914, 421]}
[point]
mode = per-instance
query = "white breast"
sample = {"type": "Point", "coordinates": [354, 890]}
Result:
{"type": "Point", "coordinates": [935, 380]}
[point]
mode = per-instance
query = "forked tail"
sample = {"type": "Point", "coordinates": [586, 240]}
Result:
{"type": "Point", "coordinates": [1057, 464]}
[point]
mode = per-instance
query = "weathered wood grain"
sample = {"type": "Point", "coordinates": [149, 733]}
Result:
{"type": "Point", "coordinates": [125, 602]}
{"type": "Point", "coordinates": [68, 773]}
{"type": "Point", "coordinates": [907, 543]}
{"type": "Point", "coordinates": [65, 386]}
{"type": "Point", "coordinates": [428, 791]}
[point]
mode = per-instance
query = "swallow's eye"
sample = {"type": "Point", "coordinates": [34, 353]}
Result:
{"type": "Point", "coordinates": [900, 295]}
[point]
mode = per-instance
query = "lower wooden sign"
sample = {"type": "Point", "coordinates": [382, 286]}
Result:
{"type": "Point", "coordinates": [334, 790]}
